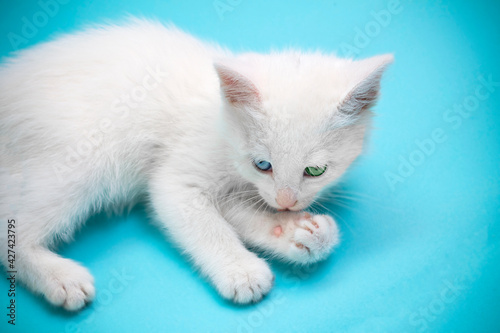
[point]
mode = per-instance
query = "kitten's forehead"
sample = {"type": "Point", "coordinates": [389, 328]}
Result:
{"type": "Point", "coordinates": [293, 141]}
{"type": "Point", "coordinates": [301, 84]}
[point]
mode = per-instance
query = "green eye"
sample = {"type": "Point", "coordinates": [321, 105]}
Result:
{"type": "Point", "coordinates": [315, 172]}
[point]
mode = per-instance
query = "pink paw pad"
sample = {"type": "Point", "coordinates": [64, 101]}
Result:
{"type": "Point", "coordinates": [277, 231]}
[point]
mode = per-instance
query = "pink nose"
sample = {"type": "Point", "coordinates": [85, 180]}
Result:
{"type": "Point", "coordinates": [286, 197]}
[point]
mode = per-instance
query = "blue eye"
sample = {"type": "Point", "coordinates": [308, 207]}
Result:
{"type": "Point", "coordinates": [263, 165]}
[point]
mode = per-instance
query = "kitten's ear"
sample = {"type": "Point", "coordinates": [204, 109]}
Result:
{"type": "Point", "coordinates": [367, 75]}
{"type": "Point", "coordinates": [237, 89]}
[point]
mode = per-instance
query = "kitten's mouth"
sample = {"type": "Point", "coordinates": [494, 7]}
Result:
{"type": "Point", "coordinates": [286, 210]}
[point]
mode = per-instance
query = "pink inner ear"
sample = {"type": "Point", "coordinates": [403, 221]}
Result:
{"type": "Point", "coordinates": [237, 89]}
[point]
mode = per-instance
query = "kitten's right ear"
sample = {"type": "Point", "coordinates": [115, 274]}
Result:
{"type": "Point", "coordinates": [237, 89]}
{"type": "Point", "coordinates": [366, 77]}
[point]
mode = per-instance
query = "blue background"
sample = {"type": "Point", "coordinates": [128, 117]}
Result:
{"type": "Point", "coordinates": [419, 252]}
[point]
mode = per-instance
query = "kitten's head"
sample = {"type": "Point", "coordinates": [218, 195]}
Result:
{"type": "Point", "coordinates": [297, 121]}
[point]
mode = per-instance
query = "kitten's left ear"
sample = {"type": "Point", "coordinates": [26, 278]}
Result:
{"type": "Point", "coordinates": [237, 89]}
{"type": "Point", "coordinates": [367, 75]}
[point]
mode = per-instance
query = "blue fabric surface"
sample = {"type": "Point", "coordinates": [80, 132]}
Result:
{"type": "Point", "coordinates": [420, 213]}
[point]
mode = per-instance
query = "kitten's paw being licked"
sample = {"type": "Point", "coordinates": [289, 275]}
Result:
{"type": "Point", "coordinates": [310, 238]}
{"type": "Point", "coordinates": [245, 281]}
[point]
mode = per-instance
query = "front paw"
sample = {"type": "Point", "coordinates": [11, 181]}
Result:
{"type": "Point", "coordinates": [245, 281]}
{"type": "Point", "coordinates": [311, 238]}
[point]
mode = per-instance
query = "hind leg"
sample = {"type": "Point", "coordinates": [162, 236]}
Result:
{"type": "Point", "coordinates": [63, 282]}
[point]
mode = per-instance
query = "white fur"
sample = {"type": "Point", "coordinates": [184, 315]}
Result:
{"type": "Point", "coordinates": [102, 118]}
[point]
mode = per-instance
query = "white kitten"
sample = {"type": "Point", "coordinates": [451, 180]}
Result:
{"type": "Point", "coordinates": [221, 144]}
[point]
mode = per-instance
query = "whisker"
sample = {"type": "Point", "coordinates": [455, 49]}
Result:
{"type": "Point", "coordinates": [337, 192]}
{"type": "Point", "coordinates": [254, 214]}
{"type": "Point", "coordinates": [337, 217]}
{"type": "Point", "coordinates": [240, 204]}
